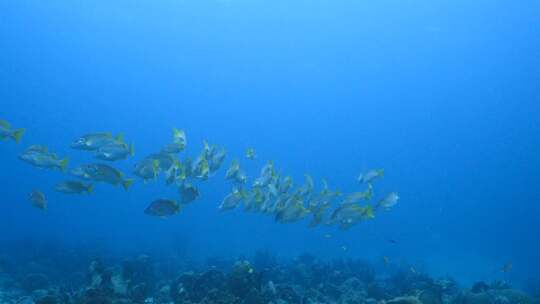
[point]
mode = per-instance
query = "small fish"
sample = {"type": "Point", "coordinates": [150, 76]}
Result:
{"type": "Point", "coordinates": [115, 151]}
{"type": "Point", "coordinates": [232, 200]}
{"type": "Point", "coordinates": [179, 136]}
{"type": "Point", "coordinates": [201, 168]}
{"type": "Point", "coordinates": [74, 187]}
{"type": "Point", "coordinates": [173, 148]}
{"type": "Point", "coordinates": [233, 170]}
{"type": "Point", "coordinates": [102, 173]}
{"type": "Point", "coordinates": [318, 214]}
{"type": "Point", "coordinates": [162, 208]}
{"type": "Point", "coordinates": [386, 260]}
{"type": "Point", "coordinates": [179, 142]}
{"type": "Point", "coordinates": [250, 154]}
{"type": "Point", "coordinates": [7, 132]}
{"type": "Point", "coordinates": [216, 158]}
{"type": "Point", "coordinates": [358, 196]}
{"type": "Point", "coordinates": [165, 160]}
{"type": "Point", "coordinates": [344, 248]}
{"type": "Point", "coordinates": [349, 214]}
{"type": "Point", "coordinates": [392, 241]}
{"type": "Point", "coordinates": [293, 212]}
{"type": "Point", "coordinates": [327, 236]}
{"type": "Point", "coordinates": [413, 270]}
{"type": "Point", "coordinates": [38, 156]}
{"type": "Point", "coordinates": [147, 169]}
{"type": "Point", "coordinates": [94, 141]}
{"type": "Point", "coordinates": [188, 193]}
{"type": "Point", "coordinates": [38, 200]}
{"type": "Point", "coordinates": [388, 202]}
{"type": "Point", "coordinates": [507, 267]}
{"type": "Point", "coordinates": [371, 175]}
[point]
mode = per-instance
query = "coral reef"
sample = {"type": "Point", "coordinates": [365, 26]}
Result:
{"type": "Point", "coordinates": [261, 280]}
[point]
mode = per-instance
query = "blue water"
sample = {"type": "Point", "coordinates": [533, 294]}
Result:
{"type": "Point", "coordinates": [444, 95]}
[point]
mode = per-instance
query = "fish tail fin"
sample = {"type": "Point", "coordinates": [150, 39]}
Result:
{"type": "Point", "coordinates": [369, 194]}
{"type": "Point", "coordinates": [177, 132]}
{"type": "Point", "coordinates": [5, 124]}
{"type": "Point", "coordinates": [90, 188]}
{"type": "Point", "coordinates": [127, 183]}
{"type": "Point", "coordinates": [18, 134]}
{"type": "Point", "coordinates": [131, 150]}
{"type": "Point", "coordinates": [64, 164]}
{"type": "Point", "coordinates": [155, 166]}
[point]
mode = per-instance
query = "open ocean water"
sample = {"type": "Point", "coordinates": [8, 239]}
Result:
{"type": "Point", "coordinates": [269, 152]}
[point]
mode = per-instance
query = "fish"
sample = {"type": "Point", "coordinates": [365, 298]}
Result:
{"type": "Point", "coordinates": [327, 236]}
{"type": "Point", "coordinates": [370, 176]}
{"type": "Point", "coordinates": [318, 213]}
{"type": "Point", "coordinates": [147, 169]}
{"type": "Point", "coordinates": [179, 136]}
{"type": "Point", "coordinates": [232, 200]}
{"type": "Point", "coordinates": [187, 168]}
{"type": "Point", "coordinates": [295, 211]}
{"type": "Point", "coordinates": [74, 187]}
{"type": "Point", "coordinates": [308, 187]}
{"type": "Point", "coordinates": [163, 208]}
{"type": "Point", "coordinates": [102, 173]}
{"type": "Point", "coordinates": [266, 176]}
{"type": "Point", "coordinates": [178, 144]}
{"type": "Point", "coordinates": [38, 200]}
{"type": "Point", "coordinates": [188, 193]}
{"type": "Point", "coordinates": [358, 196]}
{"type": "Point", "coordinates": [94, 141]}
{"type": "Point", "coordinates": [201, 168]}
{"type": "Point", "coordinates": [507, 267]}
{"type": "Point", "coordinates": [115, 151]}
{"type": "Point", "coordinates": [250, 154]}
{"type": "Point", "coordinates": [349, 214]}
{"type": "Point", "coordinates": [6, 132]}
{"type": "Point", "coordinates": [386, 260]}
{"type": "Point", "coordinates": [286, 184]}
{"type": "Point", "coordinates": [234, 168]}
{"type": "Point", "coordinates": [38, 156]}
{"type": "Point", "coordinates": [216, 158]}
{"type": "Point", "coordinates": [388, 202]}
{"type": "Point", "coordinates": [165, 160]}
{"type": "Point", "coordinates": [235, 174]}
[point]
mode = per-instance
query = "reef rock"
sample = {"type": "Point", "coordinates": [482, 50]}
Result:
{"type": "Point", "coordinates": [253, 297]}
{"type": "Point", "coordinates": [404, 300]}
{"type": "Point", "coordinates": [494, 296]}
{"type": "Point", "coordinates": [35, 281]}
{"type": "Point", "coordinates": [243, 279]}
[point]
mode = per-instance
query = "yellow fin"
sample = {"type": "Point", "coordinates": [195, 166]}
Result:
{"type": "Point", "coordinates": [18, 134]}
{"type": "Point", "coordinates": [119, 138]}
{"type": "Point", "coordinates": [127, 183]}
{"type": "Point", "coordinates": [5, 124]}
{"type": "Point", "coordinates": [178, 133]}
{"type": "Point", "coordinates": [63, 164]}
{"type": "Point", "coordinates": [155, 165]}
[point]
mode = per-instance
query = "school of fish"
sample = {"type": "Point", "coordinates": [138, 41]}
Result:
{"type": "Point", "coordinates": [271, 192]}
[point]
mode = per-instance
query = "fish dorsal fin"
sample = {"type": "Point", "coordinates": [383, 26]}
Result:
{"type": "Point", "coordinates": [119, 138]}
{"type": "Point", "coordinates": [5, 124]}
{"type": "Point", "coordinates": [37, 148]}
